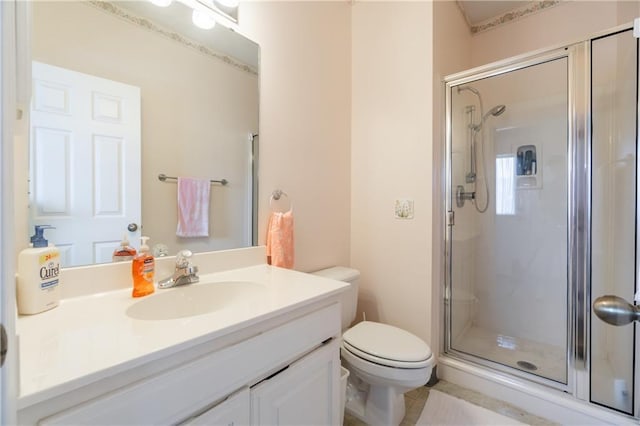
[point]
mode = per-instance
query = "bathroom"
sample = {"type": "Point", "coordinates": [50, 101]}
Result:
{"type": "Point", "coordinates": [351, 120]}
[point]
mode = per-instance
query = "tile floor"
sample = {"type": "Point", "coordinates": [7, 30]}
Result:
{"type": "Point", "coordinates": [416, 399]}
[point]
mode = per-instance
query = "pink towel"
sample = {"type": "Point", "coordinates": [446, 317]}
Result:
{"type": "Point", "coordinates": [193, 207]}
{"type": "Point", "coordinates": [280, 239]}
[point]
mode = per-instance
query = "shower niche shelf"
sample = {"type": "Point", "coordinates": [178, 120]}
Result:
{"type": "Point", "coordinates": [528, 174]}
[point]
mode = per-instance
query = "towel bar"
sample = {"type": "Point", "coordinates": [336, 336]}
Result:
{"type": "Point", "coordinates": [162, 177]}
{"type": "Point", "coordinates": [277, 195]}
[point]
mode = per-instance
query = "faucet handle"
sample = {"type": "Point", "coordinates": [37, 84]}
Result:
{"type": "Point", "coordinates": [183, 259]}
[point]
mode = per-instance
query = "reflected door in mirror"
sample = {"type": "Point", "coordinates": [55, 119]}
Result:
{"type": "Point", "coordinates": [85, 139]}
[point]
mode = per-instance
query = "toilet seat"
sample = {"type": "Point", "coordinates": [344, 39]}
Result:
{"type": "Point", "coordinates": [387, 345]}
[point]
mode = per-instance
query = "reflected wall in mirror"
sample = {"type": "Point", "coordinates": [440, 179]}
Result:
{"type": "Point", "coordinates": [198, 117]}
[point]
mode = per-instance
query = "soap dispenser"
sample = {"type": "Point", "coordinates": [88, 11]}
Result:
{"type": "Point", "coordinates": [124, 252]}
{"type": "Point", "coordinates": [38, 281]}
{"type": "Point", "coordinates": [142, 270]}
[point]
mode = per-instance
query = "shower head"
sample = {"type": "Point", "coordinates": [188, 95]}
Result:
{"type": "Point", "coordinates": [495, 111]}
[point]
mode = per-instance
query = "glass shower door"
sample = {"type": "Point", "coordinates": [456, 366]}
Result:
{"type": "Point", "coordinates": [507, 300]}
{"type": "Point", "coordinates": [614, 100]}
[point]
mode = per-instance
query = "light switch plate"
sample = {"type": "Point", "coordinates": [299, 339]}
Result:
{"type": "Point", "coordinates": [404, 209]}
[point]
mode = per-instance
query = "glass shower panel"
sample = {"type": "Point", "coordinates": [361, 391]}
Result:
{"type": "Point", "coordinates": [613, 261]}
{"type": "Point", "coordinates": [509, 177]}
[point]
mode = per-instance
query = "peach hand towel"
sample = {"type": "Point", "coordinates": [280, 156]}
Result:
{"type": "Point", "coordinates": [280, 239]}
{"type": "Point", "coordinates": [193, 207]}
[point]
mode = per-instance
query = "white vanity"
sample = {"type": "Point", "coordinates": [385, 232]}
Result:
{"type": "Point", "coordinates": [263, 352]}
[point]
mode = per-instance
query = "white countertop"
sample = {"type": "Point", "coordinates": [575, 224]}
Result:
{"type": "Point", "coordinates": [89, 338]}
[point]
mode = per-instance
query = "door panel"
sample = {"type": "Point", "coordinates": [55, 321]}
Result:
{"type": "Point", "coordinates": [85, 139]}
{"type": "Point", "coordinates": [509, 283]}
{"type": "Point", "coordinates": [613, 262]}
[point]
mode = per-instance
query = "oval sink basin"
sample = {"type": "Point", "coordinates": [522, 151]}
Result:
{"type": "Point", "coordinates": [195, 299]}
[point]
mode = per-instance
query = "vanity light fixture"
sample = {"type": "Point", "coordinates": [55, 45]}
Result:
{"type": "Point", "coordinates": [206, 13]}
{"type": "Point", "coordinates": [202, 19]}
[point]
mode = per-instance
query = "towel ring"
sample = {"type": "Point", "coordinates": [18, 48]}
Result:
{"type": "Point", "coordinates": [277, 195]}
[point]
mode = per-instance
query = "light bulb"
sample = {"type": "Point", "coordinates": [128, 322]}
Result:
{"type": "Point", "coordinates": [161, 3]}
{"type": "Point", "coordinates": [203, 20]}
{"type": "Point", "coordinates": [229, 3]}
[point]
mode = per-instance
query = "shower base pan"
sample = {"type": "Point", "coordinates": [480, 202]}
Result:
{"type": "Point", "coordinates": [537, 358]}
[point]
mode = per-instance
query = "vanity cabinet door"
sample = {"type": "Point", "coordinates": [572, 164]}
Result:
{"type": "Point", "coordinates": [233, 411]}
{"type": "Point", "coordinates": [305, 393]}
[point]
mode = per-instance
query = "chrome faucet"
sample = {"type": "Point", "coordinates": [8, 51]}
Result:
{"type": "Point", "coordinates": [185, 272]}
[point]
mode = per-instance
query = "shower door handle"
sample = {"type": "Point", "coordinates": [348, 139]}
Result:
{"type": "Point", "coordinates": [615, 310]}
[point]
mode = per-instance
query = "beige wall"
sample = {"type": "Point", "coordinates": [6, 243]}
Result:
{"type": "Point", "coordinates": [392, 158]}
{"type": "Point", "coordinates": [197, 113]}
{"type": "Point", "coordinates": [305, 119]}
{"type": "Point", "coordinates": [566, 22]}
{"type": "Point", "coordinates": [451, 54]}
{"type": "Point", "coordinates": [311, 72]}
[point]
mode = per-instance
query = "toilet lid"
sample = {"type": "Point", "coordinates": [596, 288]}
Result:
{"type": "Point", "coordinates": [387, 345]}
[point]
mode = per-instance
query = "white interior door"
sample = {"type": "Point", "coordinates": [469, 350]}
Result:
{"type": "Point", "coordinates": [12, 129]}
{"type": "Point", "coordinates": [85, 162]}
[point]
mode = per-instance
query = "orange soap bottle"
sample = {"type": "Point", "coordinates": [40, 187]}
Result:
{"type": "Point", "coordinates": [142, 271]}
{"type": "Point", "coordinates": [124, 252]}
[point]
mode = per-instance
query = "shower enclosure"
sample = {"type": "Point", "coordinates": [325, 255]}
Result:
{"type": "Point", "coordinates": [541, 207]}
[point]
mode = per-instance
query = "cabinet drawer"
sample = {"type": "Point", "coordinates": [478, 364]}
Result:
{"type": "Point", "coordinates": [174, 396]}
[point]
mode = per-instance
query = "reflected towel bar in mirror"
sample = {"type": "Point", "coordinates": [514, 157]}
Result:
{"type": "Point", "coordinates": [162, 177]}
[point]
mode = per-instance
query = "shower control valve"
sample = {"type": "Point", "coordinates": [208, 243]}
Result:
{"type": "Point", "coordinates": [462, 196]}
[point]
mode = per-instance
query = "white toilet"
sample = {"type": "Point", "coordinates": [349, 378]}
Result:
{"type": "Point", "coordinates": [384, 361]}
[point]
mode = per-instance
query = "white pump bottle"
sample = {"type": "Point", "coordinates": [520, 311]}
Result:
{"type": "Point", "coordinates": [38, 281]}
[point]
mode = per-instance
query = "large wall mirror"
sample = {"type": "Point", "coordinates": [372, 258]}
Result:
{"type": "Point", "coordinates": [122, 93]}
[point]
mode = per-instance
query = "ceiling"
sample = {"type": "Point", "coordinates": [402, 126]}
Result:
{"type": "Point", "coordinates": [479, 11]}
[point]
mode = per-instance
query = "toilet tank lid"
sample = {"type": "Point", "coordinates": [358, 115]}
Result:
{"type": "Point", "coordinates": [339, 273]}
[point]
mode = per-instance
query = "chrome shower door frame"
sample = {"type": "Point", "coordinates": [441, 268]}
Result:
{"type": "Point", "coordinates": [578, 213]}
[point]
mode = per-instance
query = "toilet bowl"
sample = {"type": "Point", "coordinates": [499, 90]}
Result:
{"type": "Point", "coordinates": [384, 361]}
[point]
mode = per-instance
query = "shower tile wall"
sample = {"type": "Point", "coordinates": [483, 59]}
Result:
{"type": "Point", "coordinates": [527, 250]}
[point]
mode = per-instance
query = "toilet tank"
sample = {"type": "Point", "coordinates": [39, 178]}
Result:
{"type": "Point", "coordinates": [349, 298]}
